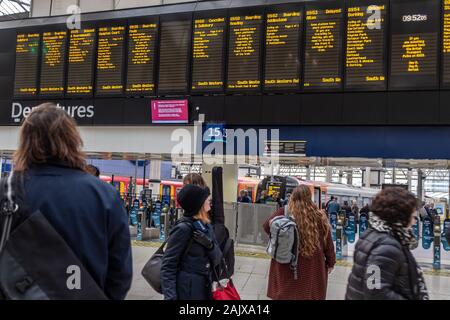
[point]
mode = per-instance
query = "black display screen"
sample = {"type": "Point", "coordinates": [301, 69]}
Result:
{"type": "Point", "coordinates": [415, 28]}
{"type": "Point", "coordinates": [208, 54]}
{"type": "Point", "coordinates": [244, 53]}
{"type": "Point", "coordinates": [282, 61]}
{"type": "Point", "coordinates": [27, 62]}
{"type": "Point", "coordinates": [141, 58]}
{"type": "Point", "coordinates": [323, 54]}
{"type": "Point", "coordinates": [446, 45]}
{"type": "Point", "coordinates": [53, 63]}
{"type": "Point", "coordinates": [81, 62]}
{"type": "Point", "coordinates": [174, 56]}
{"type": "Point", "coordinates": [110, 50]}
{"type": "Point", "coordinates": [366, 43]}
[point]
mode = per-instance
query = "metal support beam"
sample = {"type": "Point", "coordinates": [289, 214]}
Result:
{"type": "Point", "coordinates": [420, 178]}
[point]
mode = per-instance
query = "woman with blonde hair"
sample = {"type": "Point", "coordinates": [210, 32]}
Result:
{"type": "Point", "coordinates": [316, 252]}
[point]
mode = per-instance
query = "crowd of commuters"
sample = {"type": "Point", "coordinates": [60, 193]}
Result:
{"type": "Point", "coordinates": [90, 216]}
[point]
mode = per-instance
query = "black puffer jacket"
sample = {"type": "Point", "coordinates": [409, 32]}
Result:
{"type": "Point", "coordinates": [379, 249]}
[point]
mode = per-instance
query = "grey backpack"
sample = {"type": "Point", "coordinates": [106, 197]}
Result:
{"type": "Point", "coordinates": [284, 241]}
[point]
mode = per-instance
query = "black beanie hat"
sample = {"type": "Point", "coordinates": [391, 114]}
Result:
{"type": "Point", "coordinates": [191, 198]}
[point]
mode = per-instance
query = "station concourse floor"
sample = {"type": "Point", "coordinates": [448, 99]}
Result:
{"type": "Point", "coordinates": [251, 274]}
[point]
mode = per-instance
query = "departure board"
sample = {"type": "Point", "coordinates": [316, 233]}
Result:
{"type": "Point", "coordinates": [446, 45]}
{"type": "Point", "coordinates": [174, 56]}
{"type": "Point", "coordinates": [26, 68]}
{"type": "Point", "coordinates": [208, 54]}
{"type": "Point", "coordinates": [415, 28]}
{"type": "Point", "coordinates": [244, 53]}
{"type": "Point", "coordinates": [81, 62]}
{"type": "Point", "coordinates": [53, 62]}
{"type": "Point", "coordinates": [282, 62]}
{"type": "Point", "coordinates": [323, 67]}
{"type": "Point", "coordinates": [110, 60]}
{"type": "Point", "coordinates": [141, 58]}
{"type": "Point", "coordinates": [365, 58]}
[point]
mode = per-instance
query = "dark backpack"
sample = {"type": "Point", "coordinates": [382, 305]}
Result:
{"type": "Point", "coordinates": [152, 269]}
{"type": "Point", "coordinates": [35, 261]}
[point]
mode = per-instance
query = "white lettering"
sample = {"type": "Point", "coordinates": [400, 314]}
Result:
{"type": "Point", "coordinates": [15, 114]}
{"type": "Point", "coordinates": [26, 111]}
{"type": "Point", "coordinates": [74, 280]}
{"type": "Point", "coordinates": [81, 112]}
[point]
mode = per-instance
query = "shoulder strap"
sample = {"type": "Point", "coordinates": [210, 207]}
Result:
{"type": "Point", "coordinates": [9, 207]}
{"type": "Point", "coordinates": [188, 247]}
{"type": "Point", "coordinates": [286, 211]}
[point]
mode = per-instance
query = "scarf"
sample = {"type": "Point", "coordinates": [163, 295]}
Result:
{"type": "Point", "coordinates": [406, 238]}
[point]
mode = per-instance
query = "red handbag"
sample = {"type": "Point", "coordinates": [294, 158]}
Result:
{"type": "Point", "coordinates": [227, 292]}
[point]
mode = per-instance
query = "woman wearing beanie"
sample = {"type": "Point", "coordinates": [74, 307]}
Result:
{"type": "Point", "coordinates": [192, 250]}
{"type": "Point", "coordinates": [384, 268]}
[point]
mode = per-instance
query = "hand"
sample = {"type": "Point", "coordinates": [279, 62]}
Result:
{"type": "Point", "coordinates": [203, 239]}
{"type": "Point", "coordinates": [330, 270]}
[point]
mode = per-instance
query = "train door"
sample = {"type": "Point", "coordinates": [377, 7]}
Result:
{"type": "Point", "coordinates": [317, 197]}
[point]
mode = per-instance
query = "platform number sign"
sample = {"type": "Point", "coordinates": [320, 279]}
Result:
{"type": "Point", "coordinates": [215, 133]}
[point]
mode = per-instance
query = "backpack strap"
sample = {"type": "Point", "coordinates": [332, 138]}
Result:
{"type": "Point", "coordinates": [189, 245]}
{"type": "Point", "coordinates": [295, 252]}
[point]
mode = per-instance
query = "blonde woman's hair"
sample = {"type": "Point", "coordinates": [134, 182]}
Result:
{"type": "Point", "coordinates": [311, 221]}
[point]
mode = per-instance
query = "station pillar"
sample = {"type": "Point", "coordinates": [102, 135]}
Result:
{"type": "Point", "coordinates": [329, 177]}
{"type": "Point", "coordinates": [308, 173]}
{"type": "Point", "coordinates": [409, 180]}
{"type": "Point", "coordinates": [350, 178]}
{"type": "Point", "coordinates": [367, 177]}
{"type": "Point", "coordinates": [230, 179]}
{"type": "Point", "coordinates": [155, 175]}
{"type": "Point", "coordinates": [420, 184]}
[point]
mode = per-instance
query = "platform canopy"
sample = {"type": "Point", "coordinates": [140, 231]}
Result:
{"type": "Point", "coordinates": [14, 7]}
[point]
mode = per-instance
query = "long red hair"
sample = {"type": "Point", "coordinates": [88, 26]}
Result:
{"type": "Point", "coordinates": [311, 222]}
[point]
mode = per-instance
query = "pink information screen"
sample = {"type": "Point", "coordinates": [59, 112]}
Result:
{"type": "Point", "coordinates": [170, 111]}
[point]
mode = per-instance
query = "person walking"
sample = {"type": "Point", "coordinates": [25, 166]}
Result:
{"type": "Point", "coordinates": [385, 246]}
{"type": "Point", "coordinates": [87, 212]}
{"type": "Point", "coordinates": [316, 252]}
{"type": "Point", "coordinates": [192, 251]}
{"type": "Point", "coordinates": [333, 206]}
{"type": "Point", "coordinates": [243, 197]}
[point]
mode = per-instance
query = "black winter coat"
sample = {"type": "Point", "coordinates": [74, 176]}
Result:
{"type": "Point", "coordinates": [379, 249]}
{"type": "Point", "coordinates": [90, 216]}
{"type": "Point", "coordinates": [186, 271]}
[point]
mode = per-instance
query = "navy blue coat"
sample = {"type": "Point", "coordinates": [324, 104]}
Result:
{"type": "Point", "coordinates": [89, 214]}
{"type": "Point", "coordinates": [188, 277]}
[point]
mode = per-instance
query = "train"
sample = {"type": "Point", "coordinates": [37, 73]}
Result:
{"type": "Point", "coordinates": [283, 186]}
{"type": "Point", "coordinates": [321, 191]}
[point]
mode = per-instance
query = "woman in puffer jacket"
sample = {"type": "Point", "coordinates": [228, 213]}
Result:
{"type": "Point", "coordinates": [384, 267]}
